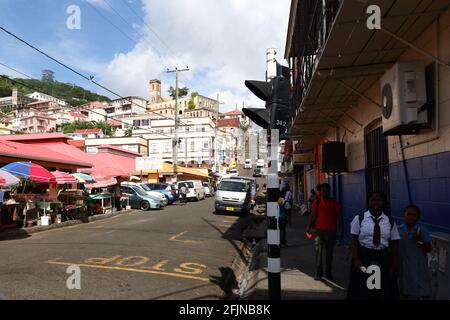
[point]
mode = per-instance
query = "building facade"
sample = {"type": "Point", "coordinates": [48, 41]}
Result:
{"type": "Point", "coordinates": [347, 85]}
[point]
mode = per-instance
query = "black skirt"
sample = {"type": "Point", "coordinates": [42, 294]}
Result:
{"type": "Point", "coordinates": [358, 288]}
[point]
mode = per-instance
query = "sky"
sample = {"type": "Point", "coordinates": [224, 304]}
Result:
{"type": "Point", "coordinates": [126, 43]}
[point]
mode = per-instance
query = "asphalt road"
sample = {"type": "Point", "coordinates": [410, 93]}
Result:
{"type": "Point", "coordinates": [181, 252]}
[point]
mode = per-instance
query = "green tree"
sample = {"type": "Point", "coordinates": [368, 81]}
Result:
{"type": "Point", "coordinates": [107, 129]}
{"type": "Point", "coordinates": [191, 103]}
{"type": "Point", "coordinates": [128, 132]}
{"type": "Point", "coordinates": [48, 76]}
{"type": "Point", "coordinates": [244, 126]}
{"type": "Point", "coordinates": [182, 92]}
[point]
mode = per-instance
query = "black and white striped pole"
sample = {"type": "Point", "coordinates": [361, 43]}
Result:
{"type": "Point", "coordinates": [275, 117]}
{"type": "Point", "coordinates": [273, 216]}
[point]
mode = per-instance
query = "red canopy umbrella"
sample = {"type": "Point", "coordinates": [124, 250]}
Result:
{"type": "Point", "coordinates": [64, 177]}
{"type": "Point", "coordinates": [101, 182]}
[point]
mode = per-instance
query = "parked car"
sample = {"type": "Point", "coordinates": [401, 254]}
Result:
{"type": "Point", "coordinates": [254, 187]}
{"type": "Point", "coordinates": [233, 173]}
{"type": "Point", "coordinates": [248, 164]}
{"type": "Point", "coordinates": [156, 196]}
{"type": "Point", "coordinates": [164, 189]}
{"type": "Point", "coordinates": [138, 199]}
{"type": "Point", "coordinates": [196, 190]}
{"type": "Point", "coordinates": [209, 190]}
{"type": "Point", "coordinates": [233, 196]}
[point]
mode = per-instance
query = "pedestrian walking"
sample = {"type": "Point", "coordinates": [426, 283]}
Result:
{"type": "Point", "coordinates": [287, 204]}
{"type": "Point", "coordinates": [283, 217]}
{"type": "Point", "coordinates": [117, 197]}
{"type": "Point", "coordinates": [415, 244]}
{"type": "Point", "coordinates": [183, 191]}
{"type": "Point", "coordinates": [375, 240]}
{"type": "Point", "coordinates": [324, 219]}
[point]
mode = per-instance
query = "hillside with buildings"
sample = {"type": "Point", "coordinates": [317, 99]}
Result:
{"type": "Point", "coordinates": [72, 94]}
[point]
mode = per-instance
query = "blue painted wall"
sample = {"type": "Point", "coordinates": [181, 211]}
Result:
{"type": "Point", "coordinates": [350, 190]}
{"type": "Point", "coordinates": [430, 190]}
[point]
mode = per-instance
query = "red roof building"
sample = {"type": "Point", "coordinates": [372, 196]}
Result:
{"type": "Point", "coordinates": [11, 151]}
{"type": "Point", "coordinates": [233, 113]}
{"type": "Point", "coordinates": [108, 160]}
{"type": "Point", "coordinates": [88, 131]}
{"type": "Point", "coordinates": [228, 123]}
{"type": "Point", "coordinates": [77, 116]}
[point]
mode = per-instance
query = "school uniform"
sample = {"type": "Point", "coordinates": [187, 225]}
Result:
{"type": "Point", "coordinates": [414, 275]}
{"type": "Point", "coordinates": [374, 236]}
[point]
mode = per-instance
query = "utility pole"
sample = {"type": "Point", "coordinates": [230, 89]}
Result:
{"type": "Point", "coordinates": [175, 140]}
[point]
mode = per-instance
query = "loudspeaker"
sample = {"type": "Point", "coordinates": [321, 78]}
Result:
{"type": "Point", "coordinates": [333, 157]}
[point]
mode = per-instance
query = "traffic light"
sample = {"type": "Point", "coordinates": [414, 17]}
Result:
{"type": "Point", "coordinates": [276, 94]}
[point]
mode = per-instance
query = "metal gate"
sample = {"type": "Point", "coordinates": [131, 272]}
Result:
{"type": "Point", "coordinates": [377, 155]}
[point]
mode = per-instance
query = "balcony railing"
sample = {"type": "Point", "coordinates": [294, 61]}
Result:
{"type": "Point", "coordinates": [318, 25]}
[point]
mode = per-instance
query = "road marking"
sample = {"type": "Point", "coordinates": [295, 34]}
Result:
{"type": "Point", "coordinates": [169, 274]}
{"type": "Point", "coordinates": [175, 238]}
{"type": "Point", "coordinates": [232, 217]}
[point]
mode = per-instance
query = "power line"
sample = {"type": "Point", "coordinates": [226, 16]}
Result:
{"type": "Point", "coordinates": [17, 71]}
{"type": "Point", "coordinates": [150, 29]}
{"type": "Point", "coordinates": [90, 78]}
{"type": "Point", "coordinates": [110, 22]}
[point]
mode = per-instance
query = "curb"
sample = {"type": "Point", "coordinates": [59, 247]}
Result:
{"type": "Point", "coordinates": [18, 233]}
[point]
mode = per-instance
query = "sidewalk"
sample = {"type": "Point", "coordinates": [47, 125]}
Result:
{"type": "Point", "coordinates": [298, 269]}
{"type": "Point", "coordinates": [19, 233]}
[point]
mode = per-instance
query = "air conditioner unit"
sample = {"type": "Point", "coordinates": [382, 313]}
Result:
{"type": "Point", "coordinates": [404, 99]}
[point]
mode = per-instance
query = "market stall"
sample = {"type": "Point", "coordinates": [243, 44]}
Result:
{"type": "Point", "coordinates": [8, 206]}
{"type": "Point", "coordinates": [100, 200]}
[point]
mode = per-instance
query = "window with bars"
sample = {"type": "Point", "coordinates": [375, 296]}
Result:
{"type": "Point", "coordinates": [377, 161]}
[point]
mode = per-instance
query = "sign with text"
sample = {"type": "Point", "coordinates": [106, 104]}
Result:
{"type": "Point", "coordinates": [149, 163]}
{"type": "Point", "coordinates": [304, 158]}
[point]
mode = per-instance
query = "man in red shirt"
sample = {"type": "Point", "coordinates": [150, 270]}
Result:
{"type": "Point", "coordinates": [324, 216]}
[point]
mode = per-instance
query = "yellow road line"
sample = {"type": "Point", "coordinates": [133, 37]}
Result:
{"type": "Point", "coordinates": [170, 274]}
{"type": "Point", "coordinates": [175, 238]}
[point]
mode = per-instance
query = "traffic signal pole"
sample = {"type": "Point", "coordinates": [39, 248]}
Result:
{"type": "Point", "coordinates": [276, 118]}
{"type": "Point", "coordinates": [273, 191]}
{"type": "Point", "coordinates": [273, 217]}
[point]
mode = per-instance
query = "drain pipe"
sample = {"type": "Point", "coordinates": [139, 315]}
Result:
{"type": "Point", "coordinates": [405, 168]}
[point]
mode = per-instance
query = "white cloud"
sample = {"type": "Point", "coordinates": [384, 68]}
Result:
{"type": "Point", "coordinates": [223, 42]}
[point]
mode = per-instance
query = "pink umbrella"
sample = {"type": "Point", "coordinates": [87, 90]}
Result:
{"type": "Point", "coordinates": [64, 178]}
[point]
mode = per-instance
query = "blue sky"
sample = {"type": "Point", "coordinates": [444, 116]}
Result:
{"type": "Point", "coordinates": [222, 41]}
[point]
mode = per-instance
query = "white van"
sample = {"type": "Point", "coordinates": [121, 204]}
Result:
{"type": "Point", "coordinates": [233, 196]}
{"type": "Point", "coordinates": [260, 163]}
{"type": "Point", "coordinates": [196, 190]}
{"type": "Point", "coordinates": [248, 164]}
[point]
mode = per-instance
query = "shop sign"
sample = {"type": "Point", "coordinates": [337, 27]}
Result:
{"type": "Point", "coordinates": [304, 158]}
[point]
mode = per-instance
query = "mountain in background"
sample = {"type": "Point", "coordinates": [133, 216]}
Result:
{"type": "Point", "coordinates": [72, 94]}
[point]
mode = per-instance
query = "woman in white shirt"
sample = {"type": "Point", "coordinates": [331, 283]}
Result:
{"type": "Point", "coordinates": [375, 239]}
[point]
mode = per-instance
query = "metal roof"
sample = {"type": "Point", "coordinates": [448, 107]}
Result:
{"type": "Point", "coordinates": [355, 57]}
